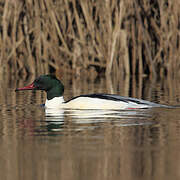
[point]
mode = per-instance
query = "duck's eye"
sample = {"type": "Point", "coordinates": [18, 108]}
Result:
{"type": "Point", "coordinates": [38, 82]}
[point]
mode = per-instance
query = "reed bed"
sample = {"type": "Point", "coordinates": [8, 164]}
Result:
{"type": "Point", "coordinates": [112, 37]}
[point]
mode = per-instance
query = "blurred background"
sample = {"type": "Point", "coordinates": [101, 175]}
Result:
{"type": "Point", "coordinates": [125, 47]}
{"type": "Point", "coordinates": [109, 37]}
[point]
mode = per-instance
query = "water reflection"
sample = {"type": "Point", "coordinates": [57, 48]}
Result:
{"type": "Point", "coordinates": [76, 144]}
{"type": "Point", "coordinates": [90, 119]}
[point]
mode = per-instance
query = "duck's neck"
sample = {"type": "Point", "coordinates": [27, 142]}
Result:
{"type": "Point", "coordinates": [55, 97]}
{"type": "Point", "coordinates": [55, 102]}
{"type": "Point", "coordinates": [56, 91]}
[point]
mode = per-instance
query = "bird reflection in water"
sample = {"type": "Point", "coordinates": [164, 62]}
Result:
{"type": "Point", "coordinates": [89, 119]}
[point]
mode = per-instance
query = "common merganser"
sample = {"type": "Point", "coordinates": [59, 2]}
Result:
{"type": "Point", "coordinates": [55, 89]}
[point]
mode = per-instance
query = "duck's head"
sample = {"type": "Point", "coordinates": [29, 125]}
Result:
{"type": "Point", "coordinates": [48, 83]}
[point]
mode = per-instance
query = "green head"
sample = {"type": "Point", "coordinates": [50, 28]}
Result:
{"type": "Point", "coordinates": [48, 83]}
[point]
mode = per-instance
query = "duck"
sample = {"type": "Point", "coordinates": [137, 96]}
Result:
{"type": "Point", "coordinates": [55, 100]}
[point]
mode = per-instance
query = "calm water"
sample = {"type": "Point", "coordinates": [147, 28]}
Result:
{"type": "Point", "coordinates": [142, 144]}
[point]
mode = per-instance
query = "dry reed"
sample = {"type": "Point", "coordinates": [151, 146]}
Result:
{"type": "Point", "coordinates": [119, 37]}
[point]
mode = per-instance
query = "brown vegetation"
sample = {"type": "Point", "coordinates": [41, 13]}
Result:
{"type": "Point", "coordinates": [120, 37]}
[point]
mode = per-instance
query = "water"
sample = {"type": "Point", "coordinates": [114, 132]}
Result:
{"type": "Point", "coordinates": [90, 144]}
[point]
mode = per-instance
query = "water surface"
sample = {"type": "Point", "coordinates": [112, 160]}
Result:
{"type": "Point", "coordinates": [90, 144]}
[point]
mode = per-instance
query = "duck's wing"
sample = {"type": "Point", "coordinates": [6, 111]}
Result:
{"type": "Point", "coordinates": [134, 100]}
{"type": "Point", "coordinates": [128, 100]}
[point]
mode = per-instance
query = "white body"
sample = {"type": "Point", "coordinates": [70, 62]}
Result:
{"type": "Point", "coordinates": [55, 102]}
{"type": "Point", "coordinates": [92, 103]}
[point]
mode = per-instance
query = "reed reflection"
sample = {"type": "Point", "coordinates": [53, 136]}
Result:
{"type": "Point", "coordinates": [130, 144]}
